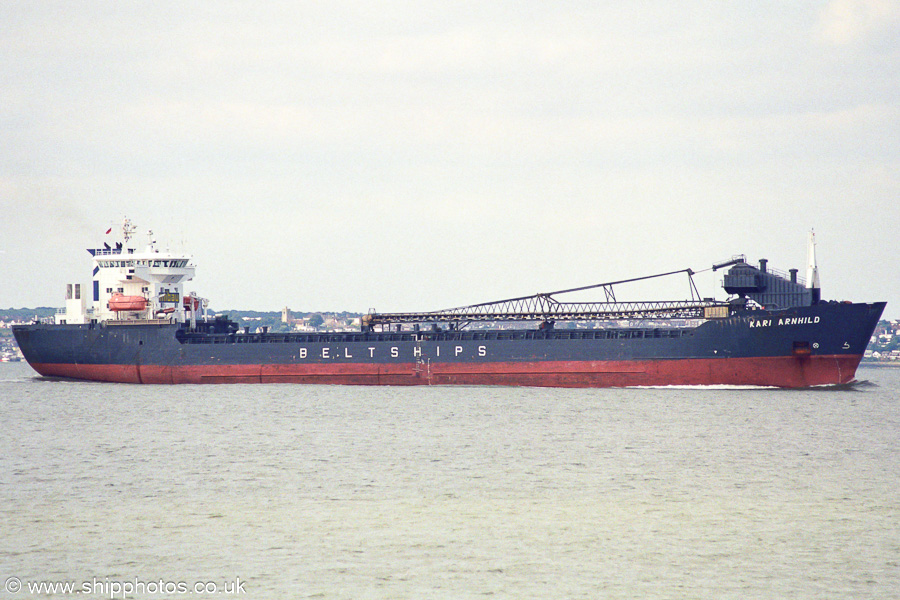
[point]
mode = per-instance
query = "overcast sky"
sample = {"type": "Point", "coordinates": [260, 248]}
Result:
{"type": "Point", "coordinates": [421, 155]}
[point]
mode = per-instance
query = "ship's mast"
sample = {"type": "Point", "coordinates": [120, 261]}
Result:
{"type": "Point", "coordinates": [812, 270]}
{"type": "Point", "coordinates": [128, 229]}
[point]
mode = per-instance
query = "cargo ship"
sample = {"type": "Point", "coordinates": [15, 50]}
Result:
{"type": "Point", "coordinates": [774, 329]}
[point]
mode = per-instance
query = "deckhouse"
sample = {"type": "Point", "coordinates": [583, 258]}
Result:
{"type": "Point", "coordinates": [132, 283]}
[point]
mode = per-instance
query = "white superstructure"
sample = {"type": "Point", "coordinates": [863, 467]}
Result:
{"type": "Point", "coordinates": [131, 282]}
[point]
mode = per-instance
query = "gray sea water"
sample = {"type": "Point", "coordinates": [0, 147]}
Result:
{"type": "Point", "coordinates": [288, 491]}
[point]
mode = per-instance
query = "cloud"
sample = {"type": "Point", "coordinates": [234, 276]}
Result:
{"type": "Point", "coordinates": [530, 138]}
{"type": "Point", "coordinates": [845, 22]}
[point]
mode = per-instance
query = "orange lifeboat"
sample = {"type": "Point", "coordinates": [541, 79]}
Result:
{"type": "Point", "coordinates": [120, 302]}
{"type": "Point", "coordinates": [192, 303]}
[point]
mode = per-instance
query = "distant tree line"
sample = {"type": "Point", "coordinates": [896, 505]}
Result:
{"type": "Point", "coordinates": [272, 320]}
{"type": "Point", "coordinates": [25, 314]}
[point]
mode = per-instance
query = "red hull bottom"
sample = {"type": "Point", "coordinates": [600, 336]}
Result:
{"type": "Point", "coordinates": [790, 372]}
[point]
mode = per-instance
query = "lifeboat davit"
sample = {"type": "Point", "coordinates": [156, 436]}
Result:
{"type": "Point", "coordinates": [120, 302]}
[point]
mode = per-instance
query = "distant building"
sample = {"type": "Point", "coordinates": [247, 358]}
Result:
{"type": "Point", "coordinates": [286, 316]}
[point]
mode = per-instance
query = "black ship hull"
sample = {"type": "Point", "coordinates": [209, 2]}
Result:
{"type": "Point", "coordinates": [803, 346]}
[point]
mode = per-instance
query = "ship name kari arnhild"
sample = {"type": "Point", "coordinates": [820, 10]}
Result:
{"type": "Point", "coordinates": [141, 327]}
